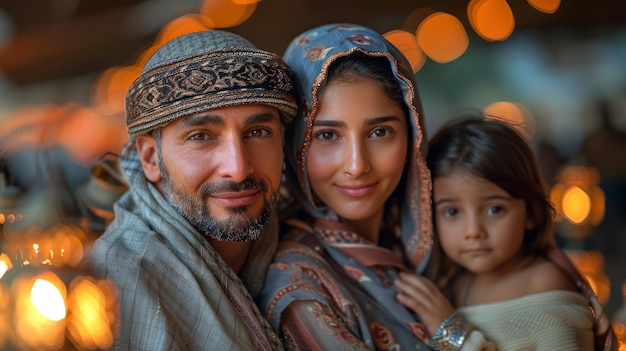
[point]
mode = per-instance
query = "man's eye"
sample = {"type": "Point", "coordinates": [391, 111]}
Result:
{"type": "Point", "coordinates": [198, 136]}
{"type": "Point", "coordinates": [260, 132]}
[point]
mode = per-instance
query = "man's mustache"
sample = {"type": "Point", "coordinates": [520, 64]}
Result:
{"type": "Point", "coordinates": [226, 186]}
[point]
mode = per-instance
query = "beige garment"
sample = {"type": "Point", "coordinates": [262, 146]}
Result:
{"type": "Point", "coordinates": [553, 320]}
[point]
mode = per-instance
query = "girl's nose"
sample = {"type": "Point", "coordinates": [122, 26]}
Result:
{"type": "Point", "coordinates": [474, 228]}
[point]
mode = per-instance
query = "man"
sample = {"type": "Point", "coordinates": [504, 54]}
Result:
{"type": "Point", "coordinates": [192, 237]}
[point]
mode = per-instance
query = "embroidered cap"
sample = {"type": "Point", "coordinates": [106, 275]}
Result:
{"type": "Point", "coordinates": [206, 70]}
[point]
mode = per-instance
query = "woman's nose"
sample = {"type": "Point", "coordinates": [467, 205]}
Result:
{"type": "Point", "coordinates": [357, 162]}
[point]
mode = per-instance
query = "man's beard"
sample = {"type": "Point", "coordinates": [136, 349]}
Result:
{"type": "Point", "coordinates": [238, 226]}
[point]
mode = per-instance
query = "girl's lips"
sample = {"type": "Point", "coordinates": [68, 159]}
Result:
{"type": "Point", "coordinates": [476, 251]}
{"type": "Point", "coordinates": [356, 191]}
{"type": "Point", "coordinates": [232, 199]}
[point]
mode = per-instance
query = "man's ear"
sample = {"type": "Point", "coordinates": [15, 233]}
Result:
{"type": "Point", "coordinates": [148, 154]}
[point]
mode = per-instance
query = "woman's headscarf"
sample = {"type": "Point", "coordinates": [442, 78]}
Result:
{"type": "Point", "coordinates": [309, 55]}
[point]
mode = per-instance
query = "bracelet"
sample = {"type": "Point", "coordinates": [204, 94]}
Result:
{"type": "Point", "coordinates": [451, 333]}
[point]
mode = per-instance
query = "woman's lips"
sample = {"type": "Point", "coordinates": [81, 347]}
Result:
{"type": "Point", "coordinates": [356, 190]}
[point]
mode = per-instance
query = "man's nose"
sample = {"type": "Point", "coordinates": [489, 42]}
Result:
{"type": "Point", "coordinates": [234, 160]}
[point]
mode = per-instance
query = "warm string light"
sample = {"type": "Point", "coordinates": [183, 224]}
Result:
{"type": "Point", "coordinates": [47, 300]}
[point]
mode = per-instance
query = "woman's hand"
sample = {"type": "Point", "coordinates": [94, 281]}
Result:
{"type": "Point", "coordinates": [424, 298]}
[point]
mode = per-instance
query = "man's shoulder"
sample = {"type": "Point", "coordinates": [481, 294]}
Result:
{"type": "Point", "coordinates": [121, 247]}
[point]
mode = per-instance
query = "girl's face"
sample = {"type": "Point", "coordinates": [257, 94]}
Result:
{"type": "Point", "coordinates": [480, 226]}
{"type": "Point", "coordinates": [358, 148]}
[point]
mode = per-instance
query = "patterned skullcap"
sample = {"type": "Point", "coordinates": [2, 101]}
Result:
{"type": "Point", "coordinates": [206, 70]}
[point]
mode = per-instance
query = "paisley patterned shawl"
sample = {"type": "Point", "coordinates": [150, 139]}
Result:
{"type": "Point", "coordinates": [347, 274]}
{"type": "Point", "coordinates": [309, 56]}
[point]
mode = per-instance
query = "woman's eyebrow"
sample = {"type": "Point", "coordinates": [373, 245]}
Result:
{"type": "Point", "coordinates": [328, 123]}
{"type": "Point", "coordinates": [383, 119]}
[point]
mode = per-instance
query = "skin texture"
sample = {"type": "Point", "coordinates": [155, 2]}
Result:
{"type": "Point", "coordinates": [220, 169]}
{"type": "Point", "coordinates": [480, 227]}
{"type": "Point", "coordinates": [358, 152]}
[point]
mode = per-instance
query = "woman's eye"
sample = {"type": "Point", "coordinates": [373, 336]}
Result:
{"type": "Point", "coordinates": [326, 135]}
{"type": "Point", "coordinates": [381, 132]}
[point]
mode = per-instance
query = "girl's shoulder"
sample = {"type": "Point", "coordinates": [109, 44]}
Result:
{"type": "Point", "coordinates": [545, 275]}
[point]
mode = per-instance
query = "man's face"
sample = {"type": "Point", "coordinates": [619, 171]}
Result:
{"type": "Point", "coordinates": [221, 169]}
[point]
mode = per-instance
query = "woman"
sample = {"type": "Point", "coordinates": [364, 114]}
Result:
{"type": "Point", "coordinates": [356, 168]}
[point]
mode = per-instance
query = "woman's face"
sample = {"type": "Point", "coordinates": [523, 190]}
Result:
{"type": "Point", "coordinates": [358, 148]}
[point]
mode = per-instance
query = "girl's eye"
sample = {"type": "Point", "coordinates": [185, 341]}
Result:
{"type": "Point", "coordinates": [326, 135]}
{"type": "Point", "coordinates": [495, 209]}
{"type": "Point", "coordinates": [450, 212]}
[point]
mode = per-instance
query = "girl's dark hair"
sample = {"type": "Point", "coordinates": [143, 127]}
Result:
{"type": "Point", "coordinates": [495, 151]}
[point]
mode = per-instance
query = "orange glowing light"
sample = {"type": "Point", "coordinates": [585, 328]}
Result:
{"type": "Point", "coordinates": [5, 265]}
{"type": "Point", "coordinates": [182, 25]}
{"type": "Point", "coordinates": [514, 114]}
{"type": "Point", "coordinates": [576, 204]}
{"type": "Point", "coordinates": [39, 312]}
{"type": "Point", "coordinates": [86, 134]}
{"type": "Point", "coordinates": [227, 13]}
{"type": "Point", "coordinates": [90, 322]}
{"type": "Point", "coordinates": [407, 43]}
{"type": "Point", "coordinates": [547, 6]}
{"type": "Point", "coordinates": [442, 37]}
{"type": "Point", "coordinates": [48, 300]}
{"type": "Point", "coordinates": [110, 88]}
{"type": "Point", "coordinates": [491, 19]}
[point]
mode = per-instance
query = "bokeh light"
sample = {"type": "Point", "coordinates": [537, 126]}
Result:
{"type": "Point", "coordinates": [227, 13]}
{"type": "Point", "coordinates": [547, 6]}
{"type": "Point", "coordinates": [576, 204]}
{"type": "Point", "coordinates": [182, 25]}
{"type": "Point", "coordinates": [91, 318]}
{"type": "Point", "coordinates": [442, 37]}
{"type": "Point", "coordinates": [407, 43]}
{"type": "Point", "coordinates": [515, 114]}
{"type": "Point", "coordinates": [491, 19]}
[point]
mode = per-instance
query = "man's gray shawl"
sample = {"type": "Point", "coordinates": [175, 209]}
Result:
{"type": "Point", "coordinates": [175, 291]}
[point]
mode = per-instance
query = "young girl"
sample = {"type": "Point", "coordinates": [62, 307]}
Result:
{"type": "Point", "coordinates": [493, 221]}
{"type": "Point", "coordinates": [358, 173]}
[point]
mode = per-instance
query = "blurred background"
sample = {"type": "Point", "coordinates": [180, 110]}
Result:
{"type": "Point", "coordinates": [554, 67]}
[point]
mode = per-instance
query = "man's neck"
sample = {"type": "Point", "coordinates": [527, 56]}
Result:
{"type": "Point", "coordinates": [233, 253]}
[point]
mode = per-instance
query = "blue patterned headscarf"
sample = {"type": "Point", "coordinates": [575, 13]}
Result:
{"type": "Point", "coordinates": [309, 55]}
